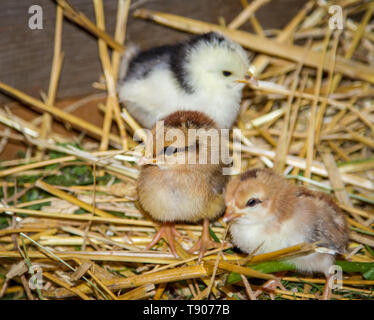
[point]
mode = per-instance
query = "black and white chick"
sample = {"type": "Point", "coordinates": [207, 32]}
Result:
{"type": "Point", "coordinates": [198, 75]}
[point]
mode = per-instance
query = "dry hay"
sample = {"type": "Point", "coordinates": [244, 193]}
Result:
{"type": "Point", "coordinates": [73, 211]}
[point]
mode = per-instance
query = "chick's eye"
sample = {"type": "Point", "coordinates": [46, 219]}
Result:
{"type": "Point", "coordinates": [252, 202]}
{"type": "Point", "coordinates": [226, 73]}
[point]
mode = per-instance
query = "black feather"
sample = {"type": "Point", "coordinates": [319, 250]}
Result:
{"type": "Point", "coordinates": [143, 63]}
{"type": "Point", "coordinates": [174, 56]}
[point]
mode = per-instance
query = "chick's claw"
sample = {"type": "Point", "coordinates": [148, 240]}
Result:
{"type": "Point", "coordinates": [205, 242]}
{"type": "Point", "coordinates": [270, 287]}
{"type": "Point", "coordinates": [203, 245]}
{"type": "Point", "coordinates": [168, 232]}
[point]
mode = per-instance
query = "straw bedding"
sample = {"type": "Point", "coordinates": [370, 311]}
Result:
{"type": "Point", "coordinates": [71, 209]}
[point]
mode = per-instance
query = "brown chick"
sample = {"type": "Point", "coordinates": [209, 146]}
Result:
{"type": "Point", "coordinates": [270, 213]}
{"type": "Point", "coordinates": [184, 191]}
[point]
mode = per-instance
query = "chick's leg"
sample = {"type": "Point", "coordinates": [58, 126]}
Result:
{"type": "Point", "coordinates": [205, 242]}
{"type": "Point", "coordinates": [168, 232]}
{"type": "Point", "coordinates": [327, 289]}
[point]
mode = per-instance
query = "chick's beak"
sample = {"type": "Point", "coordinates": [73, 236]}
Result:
{"type": "Point", "coordinates": [249, 79]}
{"type": "Point", "coordinates": [230, 214]}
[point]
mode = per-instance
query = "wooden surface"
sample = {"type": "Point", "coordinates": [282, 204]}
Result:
{"type": "Point", "coordinates": [26, 55]}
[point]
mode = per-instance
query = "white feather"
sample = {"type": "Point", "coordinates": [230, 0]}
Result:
{"type": "Point", "coordinates": [248, 234]}
{"type": "Point", "coordinates": [159, 94]}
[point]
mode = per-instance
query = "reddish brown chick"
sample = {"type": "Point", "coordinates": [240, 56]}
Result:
{"type": "Point", "coordinates": [182, 192]}
{"type": "Point", "coordinates": [270, 213]}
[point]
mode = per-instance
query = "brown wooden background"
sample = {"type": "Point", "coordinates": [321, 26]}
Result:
{"type": "Point", "coordinates": [26, 55]}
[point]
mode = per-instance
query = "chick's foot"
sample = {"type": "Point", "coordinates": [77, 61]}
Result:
{"type": "Point", "coordinates": [168, 232]}
{"type": "Point", "coordinates": [270, 287]}
{"type": "Point", "coordinates": [205, 242]}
